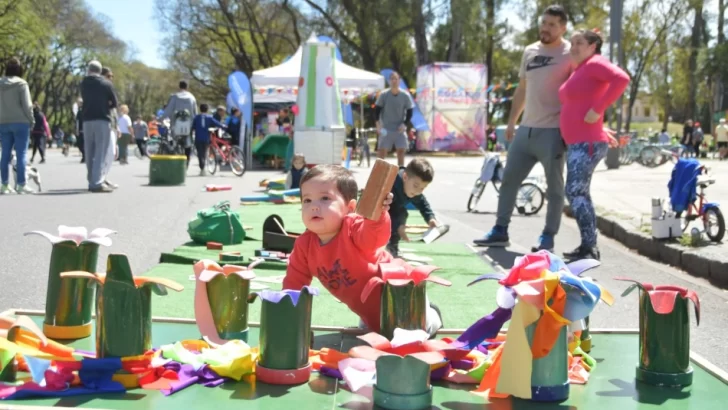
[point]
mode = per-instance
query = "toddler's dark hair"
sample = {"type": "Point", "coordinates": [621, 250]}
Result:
{"type": "Point", "coordinates": [420, 168]}
{"type": "Point", "coordinates": [345, 182]}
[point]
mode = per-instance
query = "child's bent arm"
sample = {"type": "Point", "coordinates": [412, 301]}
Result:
{"type": "Point", "coordinates": [420, 202]}
{"type": "Point", "coordinates": [371, 235]}
{"type": "Point", "coordinates": [297, 273]}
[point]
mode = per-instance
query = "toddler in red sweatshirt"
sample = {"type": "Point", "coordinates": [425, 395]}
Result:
{"type": "Point", "coordinates": [340, 248]}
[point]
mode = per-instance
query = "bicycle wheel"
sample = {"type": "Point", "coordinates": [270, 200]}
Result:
{"type": "Point", "coordinates": [714, 224]}
{"type": "Point", "coordinates": [211, 164]}
{"type": "Point", "coordinates": [152, 147]}
{"type": "Point", "coordinates": [475, 194]}
{"type": "Point", "coordinates": [236, 158]}
{"type": "Point", "coordinates": [530, 199]}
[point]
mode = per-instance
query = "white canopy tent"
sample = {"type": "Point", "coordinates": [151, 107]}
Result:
{"type": "Point", "coordinates": [283, 80]}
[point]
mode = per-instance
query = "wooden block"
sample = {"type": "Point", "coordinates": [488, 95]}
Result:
{"type": "Point", "coordinates": [214, 245]}
{"type": "Point", "coordinates": [379, 185]}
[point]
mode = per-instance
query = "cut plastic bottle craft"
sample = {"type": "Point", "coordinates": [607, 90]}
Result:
{"type": "Point", "coordinates": [285, 335]}
{"type": "Point", "coordinates": [540, 295]}
{"type": "Point", "coordinates": [664, 335]}
{"type": "Point", "coordinates": [403, 383]}
{"type": "Point", "coordinates": [403, 295]}
{"type": "Point", "coordinates": [123, 307]}
{"type": "Point", "coordinates": [221, 300]}
{"type": "Point", "coordinates": [69, 303]}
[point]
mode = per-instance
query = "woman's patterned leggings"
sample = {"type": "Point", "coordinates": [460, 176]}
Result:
{"type": "Point", "coordinates": [581, 160]}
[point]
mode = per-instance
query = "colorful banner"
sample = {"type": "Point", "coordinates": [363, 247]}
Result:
{"type": "Point", "coordinates": [240, 89]}
{"type": "Point", "coordinates": [452, 98]}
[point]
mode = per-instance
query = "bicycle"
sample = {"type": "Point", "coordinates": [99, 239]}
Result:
{"type": "Point", "coordinates": [363, 149]}
{"type": "Point", "coordinates": [151, 146]}
{"type": "Point", "coordinates": [708, 212]}
{"type": "Point", "coordinates": [531, 194]}
{"type": "Point", "coordinates": [653, 156]}
{"type": "Point", "coordinates": [222, 152]}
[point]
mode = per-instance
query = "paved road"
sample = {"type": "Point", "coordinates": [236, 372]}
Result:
{"type": "Point", "coordinates": [152, 220]}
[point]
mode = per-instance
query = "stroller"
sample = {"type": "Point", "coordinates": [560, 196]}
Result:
{"type": "Point", "coordinates": [31, 173]}
{"type": "Point", "coordinates": [689, 202]}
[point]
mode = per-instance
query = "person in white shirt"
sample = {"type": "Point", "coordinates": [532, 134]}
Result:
{"type": "Point", "coordinates": [721, 139]}
{"type": "Point", "coordinates": [126, 134]}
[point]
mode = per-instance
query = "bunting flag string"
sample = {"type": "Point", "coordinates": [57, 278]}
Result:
{"type": "Point", "coordinates": [422, 93]}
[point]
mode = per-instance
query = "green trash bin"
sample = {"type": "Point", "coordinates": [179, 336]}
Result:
{"type": "Point", "coordinates": [167, 169]}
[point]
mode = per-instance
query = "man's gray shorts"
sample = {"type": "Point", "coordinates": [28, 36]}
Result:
{"type": "Point", "coordinates": [394, 139]}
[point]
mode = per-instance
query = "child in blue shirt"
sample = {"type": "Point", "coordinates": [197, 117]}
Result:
{"type": "Point", "coordinates": [201, 125]}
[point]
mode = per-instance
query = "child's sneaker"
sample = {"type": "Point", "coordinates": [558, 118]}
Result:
{"type": "Point", "coordinates": [393, 250]}
{"type": "Point", "coordinates": [22, 190]}
{"type": "Point", "coordinates": [5, 190]}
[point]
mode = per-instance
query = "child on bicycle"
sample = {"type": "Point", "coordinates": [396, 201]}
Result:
{"type": "Point", "coordinates": [201, 125]}
{"type": "Point", "coordinates": [408, 187]}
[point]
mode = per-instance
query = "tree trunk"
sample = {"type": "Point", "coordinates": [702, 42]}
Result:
{"type": "Point", "coordinates": [489, 37]}
{"type": "Point", "coordinates": [695, 43]}
{"type": "Point", "coordinates": [457, 18]}
{"type": "Point", "coordinates": [420, 33]}
{"type": "Point", "coordinates": [722, 4]}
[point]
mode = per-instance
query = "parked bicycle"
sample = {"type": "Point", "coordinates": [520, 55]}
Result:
{"type": "Point", "coordinates": [222, 152]}
{"type": "Point", "coordinates": [531, 193]}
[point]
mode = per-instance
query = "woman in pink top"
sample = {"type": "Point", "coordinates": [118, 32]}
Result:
{"type": "Point", "coordinates": [594, 85]}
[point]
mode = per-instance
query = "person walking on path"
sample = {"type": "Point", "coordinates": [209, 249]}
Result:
{"type": "Point", "coordinates": [697, 139]}
{"type": "Point", "coordinates": [99, 100]}
{"type": "Point", "coordinates": [141, 133]}
{"type": "Point", "coordinates": [595, 85]}
{"type": "Point", "coordinates": [16, 120]}
{"type": "Point", "coordinates": [126, 134]}
{"type": "Point", "coordinates": [687, 139]}
{"type": "Point", "coordinates": [180, 101]}
{"type": "Point", "coordinates": [721, 138]}
{"type": "Point", "coordinates": [545, 66]}
{"type": "Point", "coordinates": [41, 133]}
{"type": "Point", "coordinates": [393, 111]}
{"type": "Point", "coordinates": [79, 131]}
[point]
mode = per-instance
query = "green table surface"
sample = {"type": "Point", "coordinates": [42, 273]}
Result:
{"type": "Point", "coordinates": [610, 387]}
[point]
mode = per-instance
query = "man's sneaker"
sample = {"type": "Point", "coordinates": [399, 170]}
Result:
{"type": "Point", "coordinates": [5, 190]}
{"type": "Point", "coordinates": [22, 190]}
{"type": "Point", "coordinates": [497, 237]}
{"type": "Point", "coordinates": [582, 252]}
{"type": "Point", "coordinates": [102, 189]}
{"type": "Point", "coordinates": [110, 184]}
{"type": "Point", "coordinates": [545, 243]}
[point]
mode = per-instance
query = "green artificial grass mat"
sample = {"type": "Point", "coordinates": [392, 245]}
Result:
{"type": "Point", "coordinates": [252, 216]}
{"type": "Point", "coordinates": [460, 305]}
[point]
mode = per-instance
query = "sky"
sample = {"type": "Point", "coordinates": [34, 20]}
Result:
{"type": "Point", "coordinates": [132, 21]}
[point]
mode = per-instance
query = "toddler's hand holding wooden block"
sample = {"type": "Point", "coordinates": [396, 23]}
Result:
{"type": "Point", "coordinates": [379, 185]}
